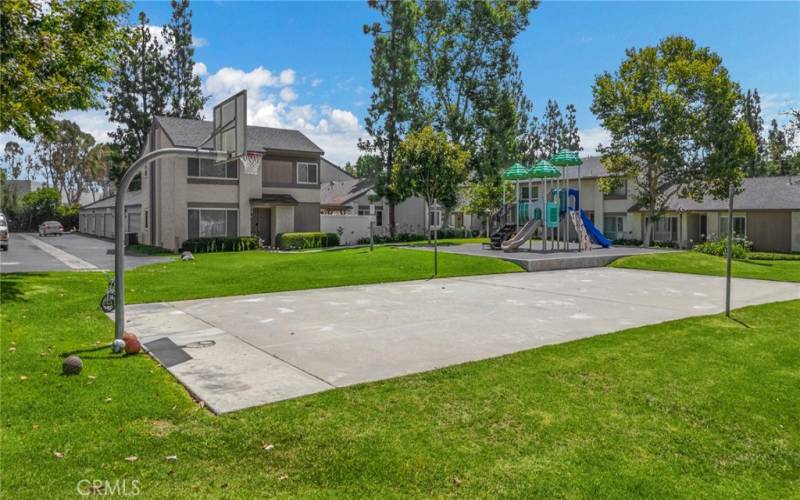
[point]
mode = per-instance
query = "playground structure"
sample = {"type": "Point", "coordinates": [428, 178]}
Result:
{"type": "Point", "coordinates": [558, 217]}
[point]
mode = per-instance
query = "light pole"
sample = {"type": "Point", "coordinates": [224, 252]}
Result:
{"type": "Point", "coordinates": [119, 226]}
{"type": "Point", "coordinates": [729, 253]}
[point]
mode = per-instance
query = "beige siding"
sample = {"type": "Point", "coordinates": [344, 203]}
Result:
{"type": "Point", "coordinates": [770, 231]}
{"type": "Point", "coordinates": [306, 217]}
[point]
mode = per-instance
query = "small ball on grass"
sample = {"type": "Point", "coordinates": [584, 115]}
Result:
{"type": "Point", "coordinates": [132, 345]}
{"type": "Point", "coordinates": [72, 365]}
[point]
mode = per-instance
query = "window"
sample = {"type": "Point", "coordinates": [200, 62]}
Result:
{"type": "Point", "coordinates": [666, 229]}
{"type": "Point", "coordinates": [524, 195]}
{"type": "Point", "coordinates": [212, 222]}
{"type": "Point", "coordinates": [435, 218]}
{"type": "Point", "coordinates": [739, 225]}
{"type": "Point", "coordinates": [211, 169]}
{"type": "Point", "coordinates": [306, 173]}
{"type": "Point", "coordinates": [458, 219]}
{"type": "Point", "coordinates": [619, 192]}
{"type": "Point", "coordinates": [364, 210]}
{"type": "Point", "coordinates": [612, 227]}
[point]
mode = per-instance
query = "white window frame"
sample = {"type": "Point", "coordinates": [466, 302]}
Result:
{"type": "Point", "coordinates": [306, 165]}
{"type": "Point", "coordinates": [619, 220]}
{"type": "Point", "coordinates": [212, 209]}
{"type": "Point", "coordinates": [200, 170]}
{"type": "Point", "coordinates": [724, 230]}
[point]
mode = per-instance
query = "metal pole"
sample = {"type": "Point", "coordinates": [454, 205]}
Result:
{"type": "Point", "coordinates": [566, 210]}
{"type": "Point", "coordinates": [119, 227]}
{"type": "Point", "coordinates": [578, 206]}
{"type": "Point", "coordinates": [543, 196]}
{"type": "Point", "coordinates": [371, 233]}
{"type": "Point", "coordinates": [730, 253]}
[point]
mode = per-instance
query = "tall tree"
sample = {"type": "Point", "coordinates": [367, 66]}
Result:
{"type": "Point", "coordinates": [64, 159]}
{"type": "Point", "coordinates": [54, 57]}
{"type": "Point", "coordinates": [138, 90]}
{"type": "Point", "coordinates": [186, 98]}
{"type": "Point", "coordinates": [751, 113]}
{"type": "Point", "coordinates": [671, 111]}
{"type": "Point", "coordinates": [778, 150]}
{"type": "Point", "coordinates": [368, 167]}
{"type": "Point", "coordinates": [430, 166]}
{"type": "Point", "coordinates": [395, 97]}
{"type": "Point", "coordinates": [472, 84]}
{"type": "Point", "coordinates": [13, 158]}
{"type": "Point", "coordinates": [554, 132]}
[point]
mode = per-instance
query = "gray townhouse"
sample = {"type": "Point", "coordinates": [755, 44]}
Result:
{"type": "Point", "coordinates": [184, 198]}
{"type": "Point", "coordinates": [767, 211]}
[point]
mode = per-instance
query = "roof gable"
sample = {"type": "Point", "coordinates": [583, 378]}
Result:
{"type": "Point", "coordinates": [190, 133]}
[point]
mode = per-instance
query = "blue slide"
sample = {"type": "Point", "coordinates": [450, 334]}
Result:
{"type": "Point", "coordinates": [594, 233]}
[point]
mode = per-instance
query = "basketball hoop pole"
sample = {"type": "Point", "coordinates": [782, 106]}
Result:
{"type": "Point", "coordinates": [119, 225]}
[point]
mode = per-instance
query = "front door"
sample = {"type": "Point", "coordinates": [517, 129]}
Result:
{"type": "Point", "coordinates": [703, 228]}
{"type": "Point", "coordinates": [260, 224]}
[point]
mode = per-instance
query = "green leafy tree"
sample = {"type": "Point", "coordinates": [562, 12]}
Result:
{"type": "Point", "coordinates": [13, 158]}
{"type": "Point", "coordinates": [54, 57]}
{"type": "Point", "coordinates": [751, 113]}
{"type": "Point", "coordinates": [138, 89]}
{"type": "Point", "coordinates": [428, 165]}
{"type": "Point", "coordinates": [369, 167]}
{"type": "Point", "coordinates": [554, 132]}
{"type": "Point", "coordinates": [395, 97]}
{"type": "Point", "coordinates": [671, 111]}
{"type": "Point", "coordinates": [41, 205]}
{"type": "Point", "coordinates": [472, 84]}
{"type": "Point", "coordinates": [484, 198]}
{"type": "Point", "coordinates": [782, 158]}
{"type": "Point", "coordinates": [9, 202]}
{"type": "Point", "coordinates": [186, 96]}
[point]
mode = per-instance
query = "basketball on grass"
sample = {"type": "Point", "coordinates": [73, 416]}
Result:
{"type": "Point", "coordinates": [132, 345]}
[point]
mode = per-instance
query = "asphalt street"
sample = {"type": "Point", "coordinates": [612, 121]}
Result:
{"type": "Point", "coordinates": [28, 252]}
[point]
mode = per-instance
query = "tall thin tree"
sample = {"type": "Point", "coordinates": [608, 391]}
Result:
{"type": "Point", "coordinates": [186, 98]}
{"type": "Point", "coordinates": [138, 90]}
{"type": "Point", "coordinates": [395, 96]}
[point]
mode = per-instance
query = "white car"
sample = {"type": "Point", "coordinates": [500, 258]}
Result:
{"type": "Point", "coordinates": [4, 235]}
{"type": "Point", "coordinates": [51, 227]}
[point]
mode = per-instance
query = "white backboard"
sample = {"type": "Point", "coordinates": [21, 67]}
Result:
{"type": "Point", "coordinates": [230, 125]}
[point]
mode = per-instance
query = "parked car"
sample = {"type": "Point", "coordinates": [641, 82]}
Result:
{"type": "Point", "coordinates": [4, 234]}
{"type": "Point", "coordinates": [51, 227]}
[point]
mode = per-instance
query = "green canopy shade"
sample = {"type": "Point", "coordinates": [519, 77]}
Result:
{"type": "Point", "coordinates": [566, 158]}
{"type": "Point", "coordinates": [544, 169]}
{"type": "Point", "coordinates": [516, 172]}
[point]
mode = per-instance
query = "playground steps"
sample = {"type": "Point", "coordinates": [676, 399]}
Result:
{"type": "Point", "coordinates": [577, 222]}
{"type": "Point", "coordinates": [501, 235]}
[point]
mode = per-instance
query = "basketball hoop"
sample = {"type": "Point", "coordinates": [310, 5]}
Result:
{"type": "Point", "coordinates": [251, 161]}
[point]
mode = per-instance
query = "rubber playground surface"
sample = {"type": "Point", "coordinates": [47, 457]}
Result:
{"type": "Point", "coordinates": [238, 352]}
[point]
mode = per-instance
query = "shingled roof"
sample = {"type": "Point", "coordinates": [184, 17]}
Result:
{"type": "Point", "coordinates": [758, 193]}
{"type": "Point", "coordinates": [338, 193]}
{"type": "Point", "coordinates": [189, 133]}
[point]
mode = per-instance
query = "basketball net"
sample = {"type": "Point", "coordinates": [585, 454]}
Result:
{"type": "Point", "coordinates": [251, 162]}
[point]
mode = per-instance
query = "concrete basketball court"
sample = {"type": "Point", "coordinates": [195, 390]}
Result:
{"type": "Point", "coordinates": [271, 347]}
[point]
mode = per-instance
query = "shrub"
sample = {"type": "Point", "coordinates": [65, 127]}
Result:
{"type": "Point", "coordinates": [139, 249]}
{"type": "Point", "coordinates": [220, 244]}
{"type": "Point", "coordinates": [627, 242]}
{"type": "Point", "coordinates": [302, 241]}
{"type": "Point", "coordinates": [719, 248]}
{"type": "Point", "coordinates": [398, 238]}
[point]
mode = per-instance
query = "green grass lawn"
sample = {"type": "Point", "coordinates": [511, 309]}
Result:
{"type": "Point", "coordinates": [220, 274]}
{"type": "Point", "coordinates": [698, 263]}
{"type": "Point", "coordinates": [703, 407]}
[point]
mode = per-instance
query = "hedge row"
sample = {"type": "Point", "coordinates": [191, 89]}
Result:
{"type": "Point", "coordinates": [302, 241]}
{"type": "Point", "coordinates": [220, 244]}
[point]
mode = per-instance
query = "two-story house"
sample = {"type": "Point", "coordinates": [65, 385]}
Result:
{"type": "Point", "coordinates": [184, 198]}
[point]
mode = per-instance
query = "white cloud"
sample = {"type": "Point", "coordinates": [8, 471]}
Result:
{"type": "Point", "coordinates": [316, 82]}
{"type": "Point", "coordinates": [287, 94]}
{"type": "Point", "coordinates": [591, 138]}
{"type": "Point", "coordinates": [287, 77]}
{"type": "Point", "coordinates": [335, 130]}
{"type": "Point", "coordinates": [774, 105]}
{"type": "Point", "coordinates": [198, 42]}
{"type": "Point", "coordinates": [200, 69]}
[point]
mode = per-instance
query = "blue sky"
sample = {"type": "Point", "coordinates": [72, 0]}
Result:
{"type": "Point", "coordinates": [306, 64]}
